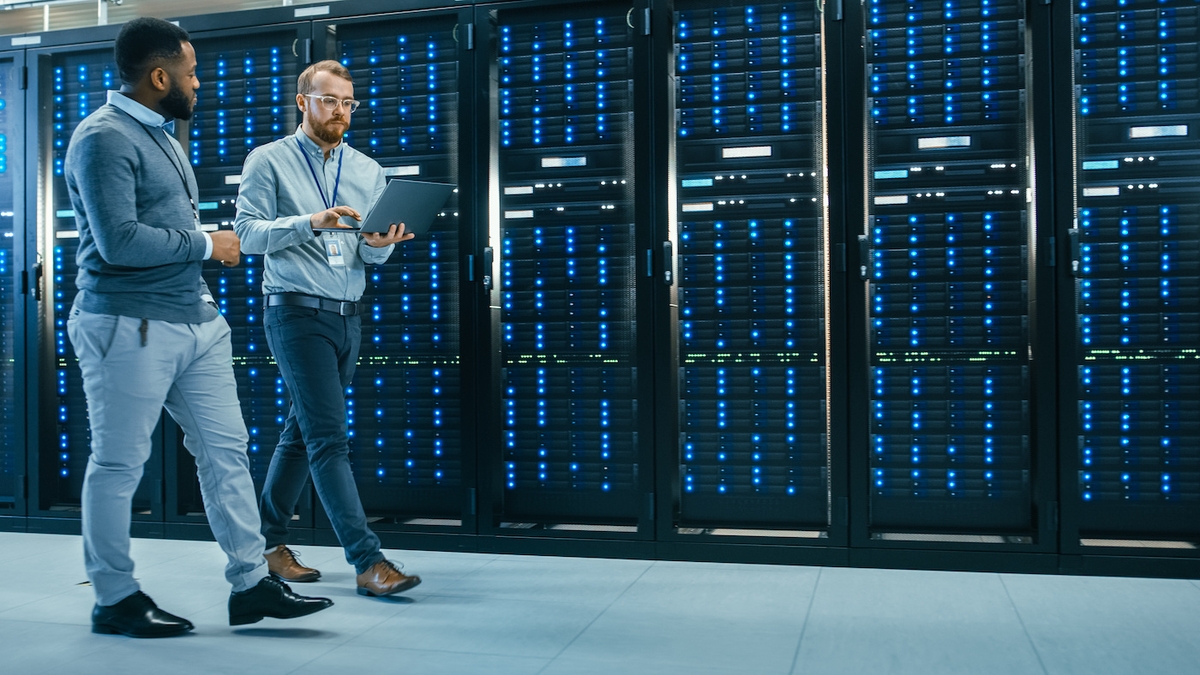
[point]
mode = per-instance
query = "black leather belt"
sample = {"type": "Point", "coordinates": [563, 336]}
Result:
{"type": "Point", "coordinates": [342, 307]}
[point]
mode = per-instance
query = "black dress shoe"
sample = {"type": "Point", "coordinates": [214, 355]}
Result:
{"type": "Point", "coordinates": [137, 616]}
{"type": "Point", "coordinates": [271, 598]}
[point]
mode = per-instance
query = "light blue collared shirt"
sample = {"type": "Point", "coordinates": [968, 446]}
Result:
{"type": "Point", "coordinates": [150, 118]}
{"type": "Point", "coordinates": [276, 199]}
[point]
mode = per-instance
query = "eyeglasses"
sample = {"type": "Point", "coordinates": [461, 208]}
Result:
{"type": "Point", "coordinates": [332, 102]}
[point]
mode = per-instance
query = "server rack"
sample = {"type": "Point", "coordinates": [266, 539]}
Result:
{"type": "Point", "coordinates": [413, 401]}
{"type": "Point", "coordinates": [754, 450]}
{"type": "Point", "coordinates": [247, 98]}
{"type": "Point", "coordinates": [66, 84]}
{"type": "Point", "coordinates": [1129, 430]}
{"type": "Point", "coordinates": [569, 387]}
{"type": "Point", "coordinates": [12, 290]}
{"type": "Point", "coordinates": [948, 397]}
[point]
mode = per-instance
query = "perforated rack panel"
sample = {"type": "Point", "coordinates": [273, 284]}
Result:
{"type": "Point", "coordinates": [566, 256]}
{"type": "Point", "coordinates": [10, 119]}
{"type": "Point", "coordinates": [1137, 255]}
{"type": "Point", "coordinates": [948, 231]}
{"type": "Point", "coordinates": [74, 84]}
{"type": "Point", "coordinates": [247, 98]}
{"type": "Point", "coordinates": [752, 334]}
{"type": "Point", "coordinates": [406, 411]}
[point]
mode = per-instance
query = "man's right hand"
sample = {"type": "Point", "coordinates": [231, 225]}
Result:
{"type": "Point", "coordinates": [227, 248]}
{"type": "Point", "coordinates": [329, 217]}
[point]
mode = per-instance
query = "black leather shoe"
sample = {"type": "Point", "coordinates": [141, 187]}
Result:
{"type": "Point", "coordinates": [271, 598]}
{"type": "Point", "coordinates": [137, 616]}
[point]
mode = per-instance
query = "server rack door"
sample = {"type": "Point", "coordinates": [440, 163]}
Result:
{"type": "Point", "coordinates": [411, 448]}
{"type": "Point", "coordinates": [571, 456]}
{"type": "Point", "coordinates": [1131, 413]}
{"type": "Point", "coordinates": [753, 446]}
{"type": "Point", "coordinates": [247, 98]}
{"type": "Point", "coordinates": [12, 271]}
{"type": "Point", "coordinates": [68, 84]}
{"type": "Point", "coordinates": [946, 261]}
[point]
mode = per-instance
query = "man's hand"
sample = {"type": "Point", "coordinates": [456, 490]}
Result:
{"type": "Point", "coordinates": [395, 235]}
{"type": "Point", "coordinates": [227, 248]}
{"type": "Point", "coordinates": [329, 217]}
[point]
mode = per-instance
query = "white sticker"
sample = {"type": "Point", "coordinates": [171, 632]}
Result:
{"type": "Point", "coordinates": [316, 10]}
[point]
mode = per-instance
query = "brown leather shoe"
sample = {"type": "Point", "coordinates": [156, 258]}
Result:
{"type": "Point", "coordinates": [283, 564]}
{"type": "Point", "coordinates": [384, 578]}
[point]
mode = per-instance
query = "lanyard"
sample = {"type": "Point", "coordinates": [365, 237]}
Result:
{"type": "Point", "coordinates": [172, 157]}
{"type": "Point", "coordinates": [329, 203]}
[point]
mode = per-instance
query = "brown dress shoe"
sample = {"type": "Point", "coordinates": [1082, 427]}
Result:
{"type": "Point", "coordinates": [283, 564]}
{"type": "Point", "coordinates": [384, 578]}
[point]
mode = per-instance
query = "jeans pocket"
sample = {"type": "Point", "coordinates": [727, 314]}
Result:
{"type": "Point", "coordinates": [92, 333]}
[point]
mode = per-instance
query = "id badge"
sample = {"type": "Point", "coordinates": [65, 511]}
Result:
{"type": "Point", "coordinates": [333, 251]}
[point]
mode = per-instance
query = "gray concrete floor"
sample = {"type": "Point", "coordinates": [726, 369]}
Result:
{"type": "Point", "coordinates": [479, 613]}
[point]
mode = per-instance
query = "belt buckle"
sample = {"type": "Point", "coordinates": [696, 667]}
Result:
{"type": "Point", "coordinates": [347, 308]}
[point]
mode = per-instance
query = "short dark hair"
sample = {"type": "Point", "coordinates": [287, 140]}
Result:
{"type": "Point", "coordinates": [144, 41]}
{"type": "Point", "coordinates": [304, 83]}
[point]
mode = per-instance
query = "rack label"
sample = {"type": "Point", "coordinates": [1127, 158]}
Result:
{"type": "Point", "coordinates": [937, 142]}
{"type": "Point", "coordinates": [563, 162]}
{"type": "Point", "coordinates": [749, 151]}
{"type": "Point", "coordinates": [1158, 132]}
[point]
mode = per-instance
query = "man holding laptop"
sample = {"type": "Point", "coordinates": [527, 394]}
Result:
{"type": "Point", "coordinates": [293, 194]}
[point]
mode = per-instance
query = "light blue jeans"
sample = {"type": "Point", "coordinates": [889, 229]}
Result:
{"type": "Point", "coordinates": [186, 368]}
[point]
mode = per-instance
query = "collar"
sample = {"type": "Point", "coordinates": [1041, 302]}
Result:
{"type": "Point", "coordinates": [140, 112]}
{"type": "Point", "coordinates": [315, 150]}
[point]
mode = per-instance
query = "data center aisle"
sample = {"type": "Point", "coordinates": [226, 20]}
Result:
{"type": "Point", "coordinates": [481, 613]}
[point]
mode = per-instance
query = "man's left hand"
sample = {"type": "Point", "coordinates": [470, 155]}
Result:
{"type": "Point", "coordinates": [395, 235]}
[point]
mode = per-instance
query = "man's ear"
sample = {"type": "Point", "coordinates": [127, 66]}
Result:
{"type": "Point", "coordinates": [159, 79]}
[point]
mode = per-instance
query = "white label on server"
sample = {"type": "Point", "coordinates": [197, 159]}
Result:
{"type": "Point", "coordinates": [563, 162]}
{"type": "Point", "coordinates": [884, 175]}
{"type": "Point", "coordinates": [937, 142]}
{"type": "Point", "coordinates": [410, 170]}
{"type": "Point", "coordinates": [702, 206]}
{"type": "Point", "coordinates": [1158, 132]}
{"type": "Point", "coordinates": [1102, 192]}
{"type": "Point", "coordinates": [235, 179]}
{"type": "Point", "coordinates": [519, 190]}
{"type": "Point", "coordinates": [316, 10]}
{"type": "Point", "coordinates": [518, 214]}
{"type": "Point", "coordinates": [67, 234]}
{"type": "Point", "coordinates": [742, 152]}
{"type": "Point", "coordinates": [27, 40]}
{"type": "Point", "coordinates": [891, 199]}
{"type": "Point", "coordinates": [209, 227]}
{"type": "Point", "coordinates": [1097, 165]}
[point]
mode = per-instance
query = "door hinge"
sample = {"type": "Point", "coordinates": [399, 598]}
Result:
{"type": "Point", "coordinates": [470, 37]}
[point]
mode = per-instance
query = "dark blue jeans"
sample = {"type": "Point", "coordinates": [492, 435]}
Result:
{"type": "Point", "coordinates": [317, 352]}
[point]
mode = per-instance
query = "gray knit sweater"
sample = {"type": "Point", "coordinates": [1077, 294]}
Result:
{"type": "Point", "coordinates": [140, 250]}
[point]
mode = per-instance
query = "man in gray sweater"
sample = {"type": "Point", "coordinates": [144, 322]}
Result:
{"type": "Point", "coordinates": [148, 335]}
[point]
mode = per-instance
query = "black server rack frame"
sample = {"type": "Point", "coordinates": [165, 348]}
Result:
{"type": "Point", "coordinates": [14, 289]}
{"type": "Point", "coordinates": [285, 41]}
{"type": "Point", "coordinates": [443, 514]}
{"type": "Point", "coordinates": [772, 37]}
{"type": "Point", "coordinates": [575, 522]}
{"type": "Point", "coordinates": [1031, 539]}
{"type": "Point", "coordinates": [1129, 534]}
{"type": "Point", "coordinates": [54, 495]}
